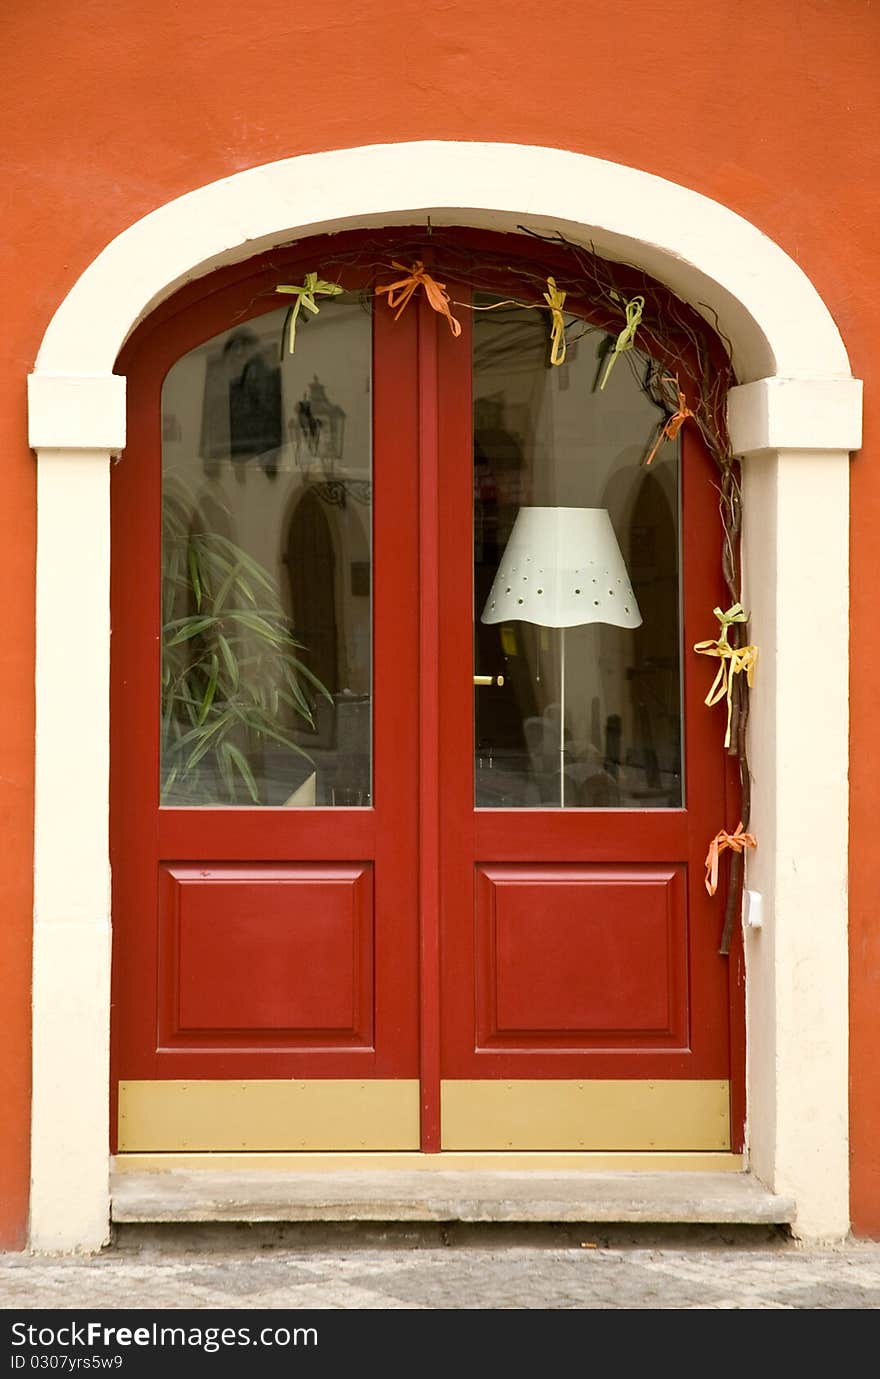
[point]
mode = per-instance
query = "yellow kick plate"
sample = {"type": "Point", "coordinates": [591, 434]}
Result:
{"type": "Point", "coordinates": [265, 1116]}
{"type": "Point", "coordinates": [275, 1114]}
{"type": "Point", "coordinates": [601, 1115]}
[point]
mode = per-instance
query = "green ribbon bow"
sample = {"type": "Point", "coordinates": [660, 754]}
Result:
{"type": "Point", "coordinates": [736, 613]}
{"type": "Point", "coordinates": [626, 338]}
{"type": "Point", "coordinates": [305, 297]}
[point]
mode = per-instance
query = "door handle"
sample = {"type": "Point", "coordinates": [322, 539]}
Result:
{"type": "Point", "coordinates": [489, 680]}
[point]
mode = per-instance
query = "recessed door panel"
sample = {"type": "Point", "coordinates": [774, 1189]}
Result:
{"type": "Point", "coordinates": [581, 956]}
{"type": "Point", "coordinates": [302, 935]}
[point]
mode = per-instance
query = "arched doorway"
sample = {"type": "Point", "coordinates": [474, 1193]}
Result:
{"type": "Point", "coordinates": [795, 417]}
{"type": "Point", "coordinates": [271, 986]}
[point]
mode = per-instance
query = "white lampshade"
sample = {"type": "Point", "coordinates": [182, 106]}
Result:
{"type": "Point", "coordinates": [562, 567]}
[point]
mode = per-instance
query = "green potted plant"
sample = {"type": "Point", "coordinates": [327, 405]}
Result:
{"type": "Point", "coordinates": [232, 675]}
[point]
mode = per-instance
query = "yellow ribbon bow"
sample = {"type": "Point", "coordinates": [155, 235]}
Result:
{"type": "Point", "coordinates": [626, 338]}
{"type": "Point", "coordinates": [435, 292]}
{"type": "Point", "coordinates": [672, 425]}
{"type": "Point", "coordinates": [305, 297]}
{"type": "Point", "coordinates": [555, 299]}
{"type": "Point", "coordinates": [733, 660]}
{"type": "Point", "coordinates": [736, 841]}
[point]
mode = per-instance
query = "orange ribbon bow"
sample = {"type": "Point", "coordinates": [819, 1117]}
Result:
{"type": "Point", "coordinates": [672, 425]}
{"type": "Point", "coordinates": [435, 292]}
{"type": "Point", "coordinates": [736, 841]}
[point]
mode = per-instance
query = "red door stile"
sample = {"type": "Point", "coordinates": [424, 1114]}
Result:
{"type": "Point", "coordinates": [429, 726]}
{"type": "Point", "coordinates": [396, 693]}
{"type": "Point", "coordinates": [455, 679]}
{"type": "Point", "coordinates": [707, 776]}
{"type": "Point", "coordinates": [147, 839]}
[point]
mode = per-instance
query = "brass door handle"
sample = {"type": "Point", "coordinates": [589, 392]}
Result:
{"type": "Point", "coordinates": [489, 680]}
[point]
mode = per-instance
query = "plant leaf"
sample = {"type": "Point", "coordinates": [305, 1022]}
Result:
{"type": "Point", "coordinates": [231, 578]}
{"type": "Point", "coordinates": [210, 690]}
{"type": "Point", "coordinates": [169, 780]}
{"type": "Point", "coordinates": [195, 578]}
{"type": "Point", "coordinates": [224, 761]}
{"type": "Point", "coordinates": [319, 685]}
{"type": "Point", "coordinates": [229, 660]}
{"type": "Point", "coordinates": [192, 628]}
{"type": "Point", "coordinates": [258, 624]}
{"type": "Point", "coordinates": [239, 759]}
{"type": "Point", "coordinates": [301, 702]}
{"type": "Point", "coordinates": [205, 744]}
{"type": "Point", "coordinates": [266, 730]}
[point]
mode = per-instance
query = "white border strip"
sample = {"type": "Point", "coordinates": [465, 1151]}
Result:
{"type": "Point", "coordinates": [796, 420]}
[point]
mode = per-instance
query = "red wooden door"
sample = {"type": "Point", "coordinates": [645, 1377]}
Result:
{"type": "Point", "coordinates": [417, 966]}
{"type": "Point", "coordinates": [266, 958]}
{"type": "Point", "coordinates": [584, 1005]}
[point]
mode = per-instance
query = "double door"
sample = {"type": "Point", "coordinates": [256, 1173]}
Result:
{"type": "Point", "coordinates": [411, 776]}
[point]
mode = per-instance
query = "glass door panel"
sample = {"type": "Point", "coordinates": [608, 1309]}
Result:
{"type": "Point", "coordinates": [577, 626]}
{"type": "Point", "coordinates": [267, 566]}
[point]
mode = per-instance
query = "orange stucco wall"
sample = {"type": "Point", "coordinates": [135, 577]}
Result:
{"type": "Point", "coordinates": [111, 107]}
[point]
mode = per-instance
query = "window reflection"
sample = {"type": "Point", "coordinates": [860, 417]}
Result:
{"type": "Point", "coordinates": [267, 508]}
{"type": "Point", "coordinates": [589, 713]}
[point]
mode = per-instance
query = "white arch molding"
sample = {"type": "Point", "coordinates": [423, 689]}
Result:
{"type": "Point", "coordinates": [794, 418]}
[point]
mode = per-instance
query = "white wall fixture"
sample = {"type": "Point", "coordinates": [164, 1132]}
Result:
{"type": "Point", "coordinates": [794, 419]}
{"type": "Point", "coordinates": [753, 910]}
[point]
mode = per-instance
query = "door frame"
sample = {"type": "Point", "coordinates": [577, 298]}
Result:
{"type": "Point", "coordinates": [794, 419]}
{"type": "Point", "coordinates": [422, 407]}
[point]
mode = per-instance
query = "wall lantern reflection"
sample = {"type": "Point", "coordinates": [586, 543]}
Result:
{"type": "Point", "coordinates": [318, 429]}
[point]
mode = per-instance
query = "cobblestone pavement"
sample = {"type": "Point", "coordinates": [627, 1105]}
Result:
{"type": "Point", "coordinates": [554, 1268]}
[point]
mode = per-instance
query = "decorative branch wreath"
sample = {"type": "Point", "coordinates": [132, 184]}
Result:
{"type": "Point", "coordinates": [688, 376]}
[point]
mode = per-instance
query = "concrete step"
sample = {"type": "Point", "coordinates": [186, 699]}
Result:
{"type": "Point", "coordinates": [444, 1195]}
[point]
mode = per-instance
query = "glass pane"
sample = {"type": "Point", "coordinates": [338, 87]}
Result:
{"type": "Point", "coordinates": [266, 566]}
{"type": "Point", "coordinates": [577, 696]}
